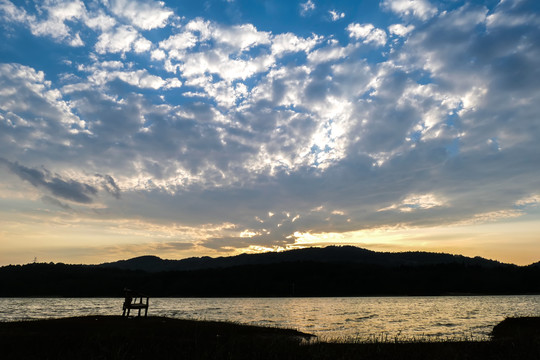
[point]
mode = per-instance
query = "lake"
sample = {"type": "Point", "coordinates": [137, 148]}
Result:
{"type": "Point", "coordinates": [454, 317]}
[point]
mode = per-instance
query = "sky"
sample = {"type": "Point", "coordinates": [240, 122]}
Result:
{"type": "Point", "coordinates": [219, 127]}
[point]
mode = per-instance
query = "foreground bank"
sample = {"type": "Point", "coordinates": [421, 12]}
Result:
{"type": "Point", "coordinates": [112, 337]}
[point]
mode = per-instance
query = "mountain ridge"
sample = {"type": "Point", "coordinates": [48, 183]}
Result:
{"type": "Point", "coordinates": [330, 271]}
{"type": "Point", "coordinates": [329, 254]}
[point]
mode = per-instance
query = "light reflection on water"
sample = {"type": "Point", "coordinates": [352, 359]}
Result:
{"type": "Point", "coordinates": [328, 318]}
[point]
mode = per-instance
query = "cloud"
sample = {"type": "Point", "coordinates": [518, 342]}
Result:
{"type": "Point", "coordinates": [67, 189]}
{"type": "Point", "coordinates": [32, 110]}
{"type": "Point", "coordinates": [138, 78]}
{"type": "Point", "coordinates": [400, 30]}
{"type": "Point", "coordinates": [241, 37]}
{"type": "Point", "coordinates": [56, 203]}
{"type": "Point", "coordinates": [110, 185]}
{"type": "Point", "coordinates": [53, 24]}
{"type": "Point", "coordinates": [13, 13]}
{"type": "Point", "coordinates": [228, 56]}
{"type": "Point", "coordinates": [421, 9]}
{"type": "Point", "coordinates": [416, 202]}
{"type": "Point", "coordinates": [146, 15]}
{"type": "Point", "coordinates": [368, 33]}
{"type": "Point", "coordinates": [290, 43]}
{"type": "Point", "coordinates": [335, 15]}
{"type": "Point", "coordinates": [121, 40]}
{"type": "Point", "coordinates": [307, 7]}
{"type": "Point", "coordinates": [332, 52]}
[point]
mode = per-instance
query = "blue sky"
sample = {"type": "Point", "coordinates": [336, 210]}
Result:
{"type": "Point", "coordinates": [218, 127]}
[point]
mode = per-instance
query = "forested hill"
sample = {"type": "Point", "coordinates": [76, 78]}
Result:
{"type": "Point", "coordinates": [330, 254]}
{"type": "Point", "coordinates": [332, 271]}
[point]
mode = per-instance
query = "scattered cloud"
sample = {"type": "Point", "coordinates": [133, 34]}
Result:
{"type": "Point", "coordinates": [50, 21]}
{"type": "Point", "coordinates": [336, 15]}
{"type": "Point", "coordinates": [121, 40]}
{"type": "Point", "coordinates": [421, 9]}
{"type": "Point", "coordinates": [307, 7]}
{"type": "Point", "coordinates": [400, 30]}
{"type": "Point", "coordinates": [146, 15]}
{"type": "Point", "coordinates": [368, 33]}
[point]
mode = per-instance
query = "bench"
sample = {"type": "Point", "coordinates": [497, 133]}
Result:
{"type": "Point", "coordinates": [135, 300]}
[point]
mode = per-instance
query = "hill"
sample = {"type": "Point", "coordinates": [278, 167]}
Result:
{"type": "Point", "coordinates": [330, 254]}
{"type": "Point", "coordinates": [331, 271]}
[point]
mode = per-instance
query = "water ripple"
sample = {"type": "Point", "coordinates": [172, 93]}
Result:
{"type": "Point", "coordinates": [360, 318]}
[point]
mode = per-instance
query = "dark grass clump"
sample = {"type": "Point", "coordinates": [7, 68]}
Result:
{"type": "Point", "coordinates": [114, 337]}
{"type": "Point", "coordinates": [518, 329]}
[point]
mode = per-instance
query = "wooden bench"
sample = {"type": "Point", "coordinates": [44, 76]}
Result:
{"type": "Point", "coordinates": [135, 300]}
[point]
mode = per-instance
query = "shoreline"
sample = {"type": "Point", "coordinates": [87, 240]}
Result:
{"type": "Point", "coordinates": [115, 337]}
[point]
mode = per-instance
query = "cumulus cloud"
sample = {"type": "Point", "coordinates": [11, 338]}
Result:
{"type": "Point", "coordinates": [146, 15]}
{"type": "Point", "coordinates": [400, 30]}
{"type": "Point", "coordinates": [138, 78]}
{"type": "Point", "coordinates": [421, 9]}
{"type": "Point", "coordinates": [50, 21]}
{"type": "Point", "coordinates": [307, 7]}
{"type": "Point", "coordinates": [25, 91]}
{"type": "Point", "coordinates": [121, 40]}
{"type": "Point", "coordinates": [368, 33]}
{"type": "Point", "coordinates": [288, 42]}
{"type": "Point", "coordinates": [336, 15]}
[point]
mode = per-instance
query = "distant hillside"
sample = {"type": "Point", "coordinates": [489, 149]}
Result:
{"type": "Point", "coordinates": [330, 254]}
{"type": "Point", "coordinates": [330, 271]}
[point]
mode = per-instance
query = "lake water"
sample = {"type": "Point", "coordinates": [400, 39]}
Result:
{"type": "Point", "coordinates": [329, 318]}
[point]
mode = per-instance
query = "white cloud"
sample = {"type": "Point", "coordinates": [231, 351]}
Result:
{"type": "Point", "coordinates": [218, 62]}
{"type": "Point", "coordinates": [138, 78]}
{"type": "Point", "coordinates": [146, 15]}
{"type": "Point", "coordinates": [226, 55]}
{"type": "Point", "coordinates": [121, 40]}
{"type": "Point", "coordinates": [335, 15]}
{"type": "Point", "coordinates": [288, 42]}
{"type": "Point", "coordinates": [307, 7]}
{"type": "Point", "coordinates": [179, 42]}
{"type": "Point", "coordinates": [400, 30]}
{"type": "Point", "coordinates": [202, 27]}
{"type": "Point", "coordinates": [142, 45]}
{"type": "Point", "coordinates": [421, 9]}
{"type": "Point", "coordinates": [35, 109]}
{"type": "Point", "coordinates": [100, 21]}
{"type": "Point", "coordinates": [241, 37]}
{"type": "Point", "coordinates": [68, 10]}
{"type": "Point", "coordinates": [158, 54]}
{"type": "Point", "coordinates": [13, 13]}
{"type": "Point", "coordinates": [368, 33]}
{"type": "Point", "coordinates": [332, 52]}
{"type": "Point", "coordinates": [53, 24]}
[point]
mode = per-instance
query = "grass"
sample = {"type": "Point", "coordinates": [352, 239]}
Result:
{"type": "Point", "coordinates": [113, 337]}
